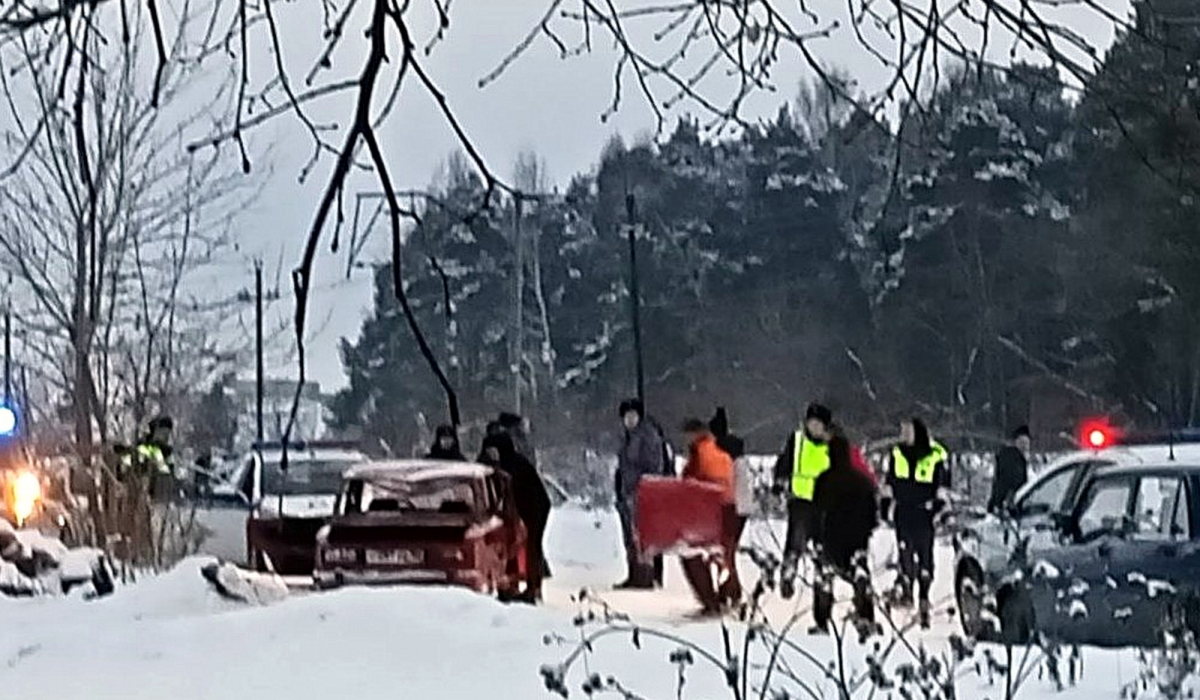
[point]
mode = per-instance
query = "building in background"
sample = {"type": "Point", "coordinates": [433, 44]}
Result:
{"type": "Point", "coordinates": [278, 396]}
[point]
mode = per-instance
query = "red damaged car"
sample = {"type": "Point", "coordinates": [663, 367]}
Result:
{"type": "Point", "coordinates": [422, 521]}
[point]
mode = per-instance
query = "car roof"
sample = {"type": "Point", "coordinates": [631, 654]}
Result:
{"type": "Point", "coordinates": [1130, 456]}
{"type": "Point", "coordinates": [1169, 467]}
{"type": "Point", "coordinates": [417, 470]}
{"type": "Point", "coordinates": [1161, 453]}
{"type": "Point", "coordinates": [313, 454]}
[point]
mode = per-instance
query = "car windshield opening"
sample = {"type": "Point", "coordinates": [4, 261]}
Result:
{"type": "Point", "coordinates": [383, 496]}
{"type": "Point", "coordinates": [304, 477]}
{"type": "Point", "coordinates": [1046, 496]}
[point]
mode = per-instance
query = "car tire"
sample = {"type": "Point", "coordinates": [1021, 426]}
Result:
{"type": "Point", "coordinates": [103, 580]}
{"type": "Point", "coordinates": [256, 561]}
{"type": "Point", "coordinates": [1015, 610]}
{"type": "Point", "coordinates": [968, 595]}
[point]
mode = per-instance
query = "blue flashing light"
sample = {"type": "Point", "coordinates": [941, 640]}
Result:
{"type": "Point", "coordinates": [8, 421]}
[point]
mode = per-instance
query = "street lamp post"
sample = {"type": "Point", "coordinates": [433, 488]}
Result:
{"type": "Point", "coordinates": [635, 296]}
{"type": "Point", "coordinates": [258, 352]}
{"type": "Point", "coordinates": [8, 354]}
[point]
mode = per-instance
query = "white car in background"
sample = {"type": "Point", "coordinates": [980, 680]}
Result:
{"type": "Point", "coordinates": [266, 516]}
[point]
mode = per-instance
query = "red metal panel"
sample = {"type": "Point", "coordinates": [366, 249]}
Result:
{"type": "Point", "coordinates": [676, 514]}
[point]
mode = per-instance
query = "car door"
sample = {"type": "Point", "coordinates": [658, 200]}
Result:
{"type": "Point", "coordinates": [1069, 577]}
{"type": "Point", "coordinates": [1151, 560]}
{"type": "Point", "coordinates": [992, 541]}
{"type": "Point", "coordinates": [224, 518]}
{"type": "Point", "coordinates": [1034, 511]}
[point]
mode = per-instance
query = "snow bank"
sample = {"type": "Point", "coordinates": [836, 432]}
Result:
{"type": "Point", "coordinates": [56, 563]}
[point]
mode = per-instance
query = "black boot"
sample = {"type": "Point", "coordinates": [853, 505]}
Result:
{"type": "Point", "coordinates": [924, 611]}
{"type": "Point", "coordinates": [640, 575]}
{"type": "Point", "coordinates": [637, 581]}
{"type": "Point", "coordinates": [864, 598]}
{"type": "Point", "coordinates": [787, 577]}
{"type": "Point", "coordinates": [822, 600]}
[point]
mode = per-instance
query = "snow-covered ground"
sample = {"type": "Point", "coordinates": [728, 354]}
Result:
{"type": "Point", "coordinates": [171, 638]}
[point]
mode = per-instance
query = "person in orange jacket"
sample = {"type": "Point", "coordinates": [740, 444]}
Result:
{"type": "Point", "coordinates": [709, 463]}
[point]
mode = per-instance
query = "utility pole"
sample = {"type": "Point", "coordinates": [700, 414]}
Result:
{"type": "Point", "coordinates": [7, 354]}
{"type": "Point", "coordinates": [258, 351]}
{"type": "Point", "coordinates": [635, 295]}
{"type": "Point", "coordinates": [520, 310]}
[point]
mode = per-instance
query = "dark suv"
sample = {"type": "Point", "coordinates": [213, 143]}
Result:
{"type": "Point", "coordinates": [1119, 565]}
{"type": "Point", "coordinates": [985, 547]}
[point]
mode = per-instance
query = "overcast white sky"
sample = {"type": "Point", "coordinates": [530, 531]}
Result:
{"type": "Point", "coordinates": [543, 103]}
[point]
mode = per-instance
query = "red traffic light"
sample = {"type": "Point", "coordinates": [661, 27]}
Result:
{"type": "Point", "coordinates": [1097, 434]}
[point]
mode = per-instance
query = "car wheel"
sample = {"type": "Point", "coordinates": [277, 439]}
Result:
{"type": "Point", "coordinates": [968, 593]}
{"type": "Point", "coordinates": [102, 577]}
{"type": "Point", "coordinates": [256, 561]}
{"type": "Point", "coordinates": [1015, 611]}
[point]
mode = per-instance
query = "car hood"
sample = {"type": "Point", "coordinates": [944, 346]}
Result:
{"type": "Point", "coordinates": [299, 506]}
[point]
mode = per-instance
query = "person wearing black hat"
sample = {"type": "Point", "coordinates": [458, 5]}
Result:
{"type": "Point", "coordinates": [804, 458]}
{"type": "Point", "coordinates": [641, 454]}
{"type": "Point", "coordinates": [492, 428]}
{"type": "Point", "coordinates": [532, 502]}
{"type": "Point", "coordinates": [847, 514]}
{"type": "Point", "coordinates": [151, 460]}
{"type": "Point", "coordinates": [516, 427]}
{"type": "Point", "coordinates": [1012, 470]}
{"type": "Point", "coordinates": [445, 445]}
{"type": "Point", "coordinates": [917, 478]}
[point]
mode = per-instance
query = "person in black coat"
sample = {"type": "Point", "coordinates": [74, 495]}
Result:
{"type": "Point", "coordinates": [919, 478]}
{"type": "Point", "coordinates": [493, 428]}
{"type": "Point", "coordinates": [515, 426]}
{"type": "Point", "coordinates": [1012, 470]}
{"type": "Point", "coordinates": [733, 445]}
{"type": "Point", "coordinates": [531, 500]}
{"type": "Point", "coordinates": [846, 516]}
{"type": "Point", "coordinates": [445, 445]}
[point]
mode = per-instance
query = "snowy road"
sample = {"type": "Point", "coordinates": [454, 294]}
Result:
{"type": "Point", "coordinates": [170, 639]}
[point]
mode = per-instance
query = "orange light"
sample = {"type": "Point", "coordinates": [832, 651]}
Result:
{"type": "Point", "coordinates": [26, 492]}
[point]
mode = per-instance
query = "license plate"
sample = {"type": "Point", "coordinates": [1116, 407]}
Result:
{"type": "Point", "coordinates": [395, 557]}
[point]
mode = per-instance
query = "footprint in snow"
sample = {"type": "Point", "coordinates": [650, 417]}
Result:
{"type": "Point", "coordinates": [24, 653]}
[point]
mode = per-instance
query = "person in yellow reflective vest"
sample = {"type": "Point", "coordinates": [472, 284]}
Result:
{"type": "Point", "coordinates": [804, 458]}
{"type": "Point", "coordinates": [918, 477]}
{"type": "Point", "coordinates": [151, 459]}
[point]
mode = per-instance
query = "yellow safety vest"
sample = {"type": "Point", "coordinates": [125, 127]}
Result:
{"type": "Point", "coordinates": [150, 458]}
{"type": "Point", "coordinates": [926, 467]}
{"type": "Point", "coordinates": [809, 460]}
